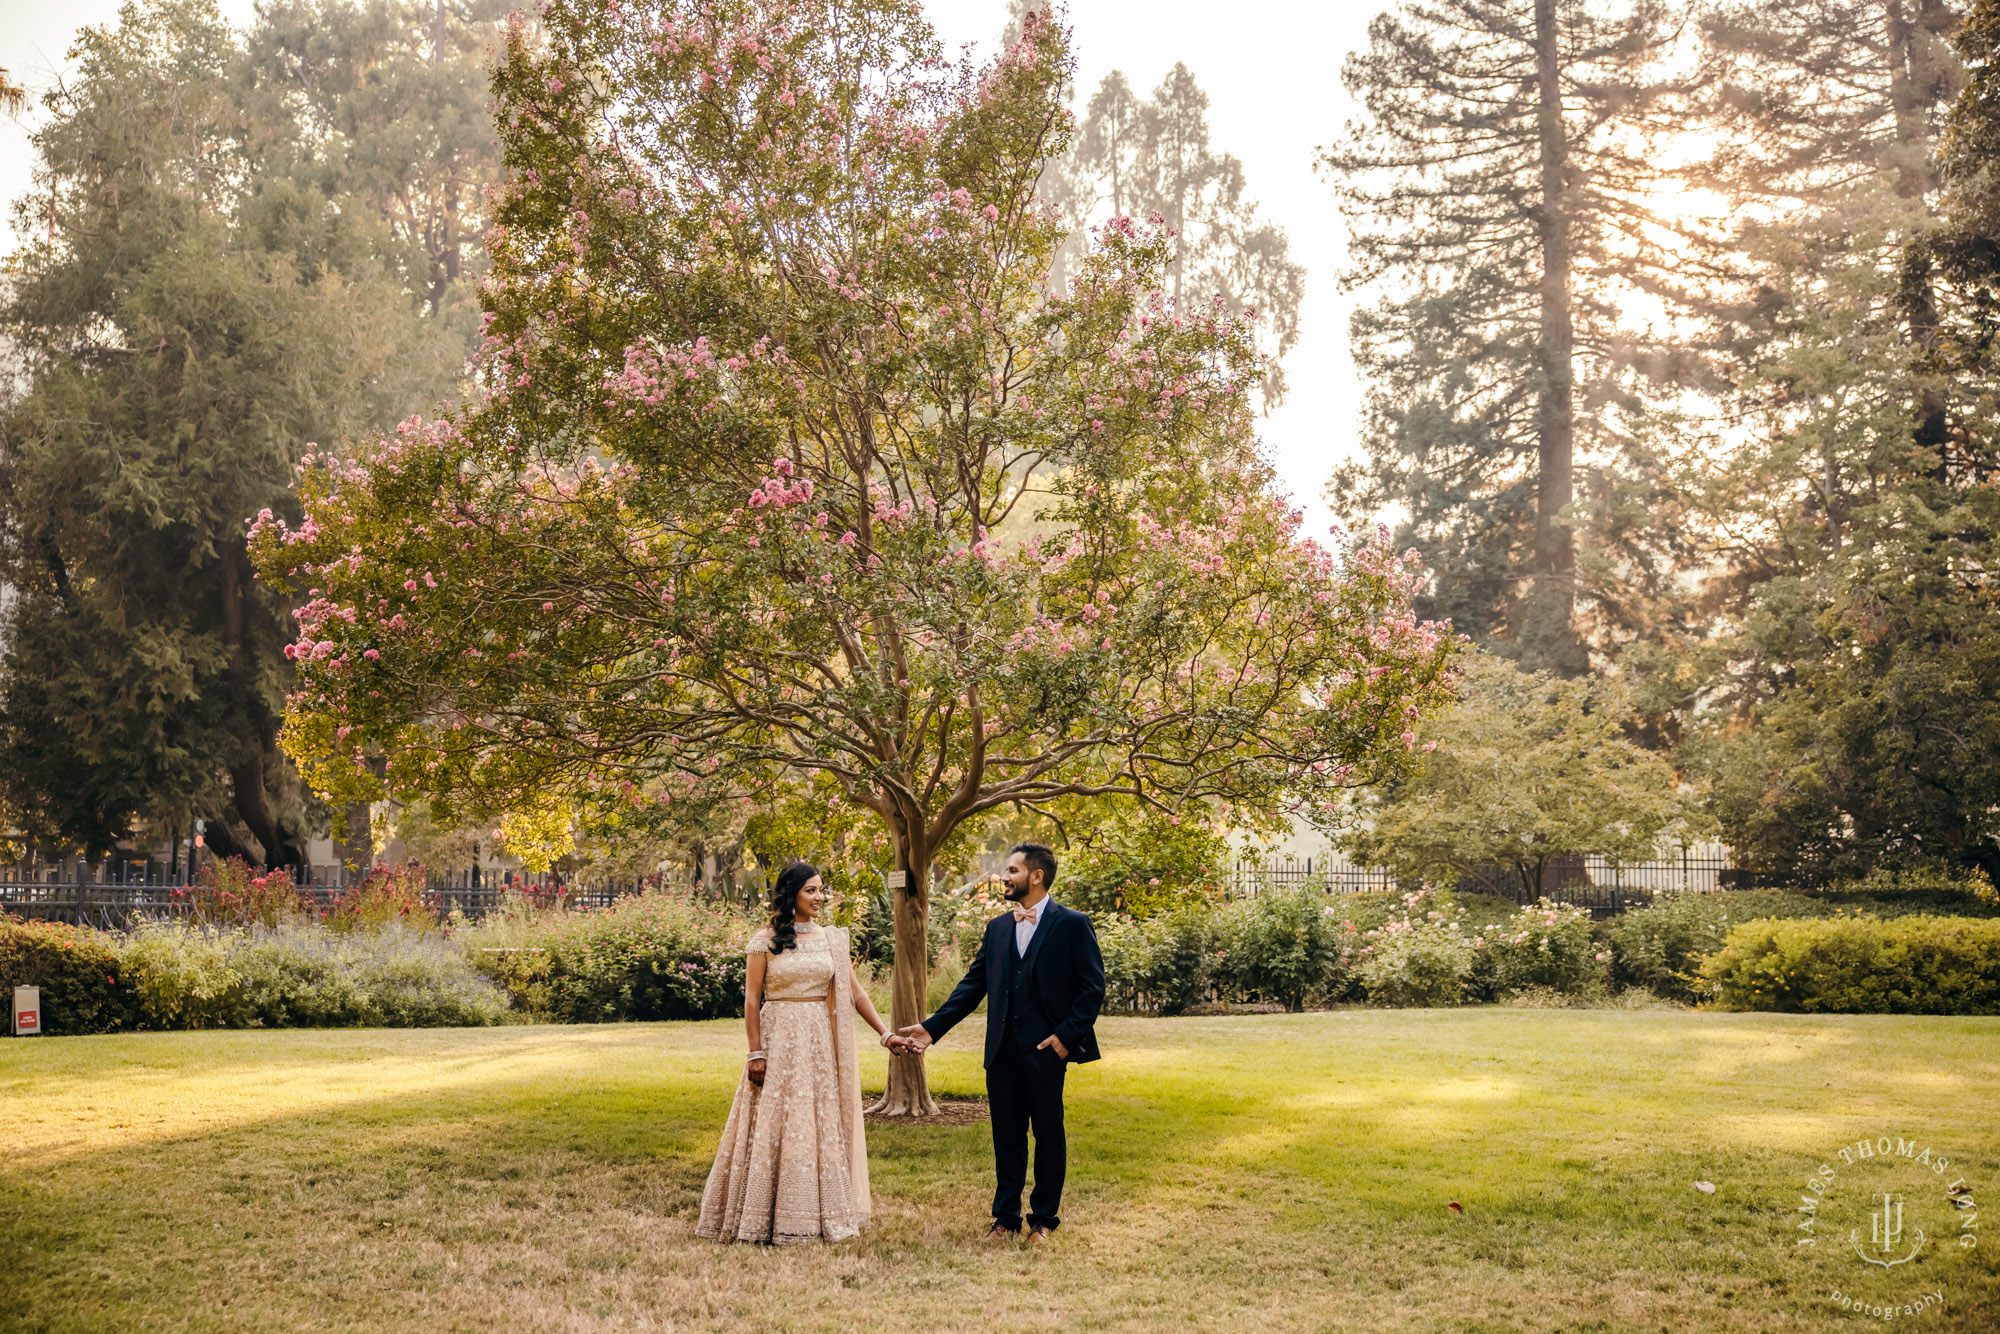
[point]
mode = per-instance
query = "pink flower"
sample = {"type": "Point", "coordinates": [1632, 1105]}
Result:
{"type": "Point", "coordinates": [409, 585]}
{"type": "Point", "coordinates": [548, 606]}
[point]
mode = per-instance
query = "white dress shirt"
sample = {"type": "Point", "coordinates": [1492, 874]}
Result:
{"type": "Point", "coordinates": [1025, 931]}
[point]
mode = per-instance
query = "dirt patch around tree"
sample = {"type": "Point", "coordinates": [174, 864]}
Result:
{"type": "Point", "coordinates": [951, 1112]}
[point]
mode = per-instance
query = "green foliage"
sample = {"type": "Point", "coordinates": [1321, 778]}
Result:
{"type": "Point", "coordinates": [1852, 724]}
{"type": "Point", "coordinates": [1151, 158]}
{"type": "Point", "coordinates": [1550, 946]}
{"type": "Point", "coordinates": [1523, 769]}
{"type": "Point", "coordinates": [1160, 964]}
{"type": "Point", "coordinates": [1283, 946]}
{"type": "Point", "coordinates": [84, 987]}
{"type": "Point", "coordinates": [183, 978]}
{"type": "Point", "coordinates": [302, 975]}
{"type": "Point", "coordinates": [216, 274]}
{"type": "Point", "coordinates": [1143, 862]}
{"type": "Point", "coordinates": [1874, 736]}
{"type": "Point", "coordinates": [1501, 355]}
{"type": "Point", "coordinates": [649, 956]}
{"type": "Point", "coordinates": [1661, 947]}
{"type": "Point", "coordinates": [1912, 965]}
{"type": "Point", "coordinates": [1420, 956]}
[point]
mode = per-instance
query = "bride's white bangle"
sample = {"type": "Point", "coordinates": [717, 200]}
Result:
{"type": "Point", "coordinates": [753, 1056]}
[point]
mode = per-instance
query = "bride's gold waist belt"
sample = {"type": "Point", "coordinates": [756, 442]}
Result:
{"type": "Point", "coordinates": [817, 1000]}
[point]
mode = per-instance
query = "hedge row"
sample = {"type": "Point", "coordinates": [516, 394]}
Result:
{"type": "Point", "coordinates": [662, 957]}
{"type": "Point", "coordinates": [297, 974]}
{"type": "Point", "coordinates": [1911, 965]}
{"type": "Point", "coordinates": [1833, 953]}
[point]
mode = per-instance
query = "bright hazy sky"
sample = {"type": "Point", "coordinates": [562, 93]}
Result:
{"type": "Point", "coordinates": [1271, 69]}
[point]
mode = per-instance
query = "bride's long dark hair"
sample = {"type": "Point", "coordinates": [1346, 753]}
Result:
{"type": "Point", "coordinates": [785, 905]}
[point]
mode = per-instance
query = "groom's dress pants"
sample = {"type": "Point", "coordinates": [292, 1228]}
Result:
{"type": "Point", "coordinates": [1025, 1088]}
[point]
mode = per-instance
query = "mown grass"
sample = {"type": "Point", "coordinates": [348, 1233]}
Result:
{"type": "Point", "coordinates": [1248, 1173]}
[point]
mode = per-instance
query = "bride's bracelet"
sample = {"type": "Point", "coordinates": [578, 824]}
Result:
{"type": "Point", "coordinates": [753, 1056]}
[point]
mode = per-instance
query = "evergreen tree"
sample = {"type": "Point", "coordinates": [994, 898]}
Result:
{"type": "Point", "coordinates": [1865, 676]}
{"type": "Point", "coordinates": [1827, 114]}
{"type": "Point", "coordinates": [216, 279]}
{"type": "Point", "coordinates": [1500, 182]}
{"type": "Point", "coordinates": [1148, 159]}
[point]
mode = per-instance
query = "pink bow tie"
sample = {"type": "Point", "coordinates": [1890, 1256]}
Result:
{"type": "Point", "coordinates": [1024, 914]}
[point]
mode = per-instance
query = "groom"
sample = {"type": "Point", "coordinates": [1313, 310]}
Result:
{"type": "Point", "coordinates": [1040, 973]}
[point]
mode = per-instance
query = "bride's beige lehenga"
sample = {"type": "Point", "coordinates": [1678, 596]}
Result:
{"type": "Point", "coordinates": [793, 1165]}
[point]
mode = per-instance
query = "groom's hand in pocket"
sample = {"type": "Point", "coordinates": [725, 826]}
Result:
{"type": "Point", "coordinates": [1053, 1041]}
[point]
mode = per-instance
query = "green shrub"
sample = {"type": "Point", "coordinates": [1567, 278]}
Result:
{"type": "Point", "coordinates": [1282, 946]}
{"type": "Point", "coordinates": [1550, 946]}
{"type": "Point", "coordinates": [650, 956]}
{"type": "Point", "coordinates": [83, 987]}
{"type": "Point", "coordinates": [1941, 892]}
{"type": "Point", "coordinates": [1911, 965]}
{"type": "Point", "coordinates": [392, 977]}
{"type": "Point", "coordinates": [510, 947]}
{"type": "Point", "coordinates": [1159, 964]}
{"type": "Point", "coordinates": [1660, 947]}
{"type": "Point", "coordinates": [301, 975]}
{"type": "Point", "coordinates": [1423, 957]}
{"type": "Point", "coordinates": [183, 977]}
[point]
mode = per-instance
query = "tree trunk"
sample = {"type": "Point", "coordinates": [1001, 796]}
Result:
{"type": "Point", "coordinates": [1913, 91]}
{"type": "Point", "coordinates": [253, 807]}
{"type": "Point", "coordinates": [354, 849]}
{"type": "Point", "coordinates": [908, 1093]}
{"type": "Point", "coordinates": [1547, 635]}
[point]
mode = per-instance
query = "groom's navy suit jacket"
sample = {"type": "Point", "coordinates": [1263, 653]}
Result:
{"type": "Point", "coordinates": [1064, 993]}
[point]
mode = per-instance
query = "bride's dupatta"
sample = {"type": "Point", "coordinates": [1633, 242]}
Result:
{"type": "Point", "coordinates": [847, 1062]}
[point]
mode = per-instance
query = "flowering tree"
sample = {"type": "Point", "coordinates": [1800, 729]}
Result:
{"type": "Point", "coordinates": [790, 468]}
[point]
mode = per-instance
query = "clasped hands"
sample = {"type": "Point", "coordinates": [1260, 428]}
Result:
{"type": "Point", "coordinates": [913, 1040]}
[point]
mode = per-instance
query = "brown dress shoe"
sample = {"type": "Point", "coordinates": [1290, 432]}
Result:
{"type": "Point", "coordinates": [1001, 1232]}
{"type": "Point", "coordinates": [1038, 1235]}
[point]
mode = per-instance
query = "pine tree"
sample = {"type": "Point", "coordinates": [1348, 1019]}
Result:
{"type": "Point", "coordinates": [1827, 114]}
{"type": "Point", "coordinates": [1152, 158]}
{"type": "Point", "coordinates": [1499, 183]}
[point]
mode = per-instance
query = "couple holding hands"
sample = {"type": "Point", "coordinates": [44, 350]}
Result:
{"type": "Point", "coordinates": [793, 1164]}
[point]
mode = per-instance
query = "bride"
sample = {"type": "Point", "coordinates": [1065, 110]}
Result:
{"type": "Point", "coordinates": [793, 1165]}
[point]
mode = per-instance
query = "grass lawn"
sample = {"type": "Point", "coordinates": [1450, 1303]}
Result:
{"type": "Point", "coordinates": [1246, 1173]}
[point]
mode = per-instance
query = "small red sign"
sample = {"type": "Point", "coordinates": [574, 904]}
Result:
{"type": "Point", "coordinates": [29, 1020]}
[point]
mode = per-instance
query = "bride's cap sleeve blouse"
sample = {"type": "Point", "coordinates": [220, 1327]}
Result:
{"type": "Point", "coordinates": [760, 942]}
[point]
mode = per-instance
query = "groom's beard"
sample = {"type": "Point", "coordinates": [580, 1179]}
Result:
{"type": "Point", "coordinates": [1013, 895]}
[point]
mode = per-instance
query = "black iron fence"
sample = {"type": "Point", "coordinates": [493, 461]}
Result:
{"type": "Point", "coordinates": [1593, 882]}
{"type": "Point", "coordinates": [114, 895]}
